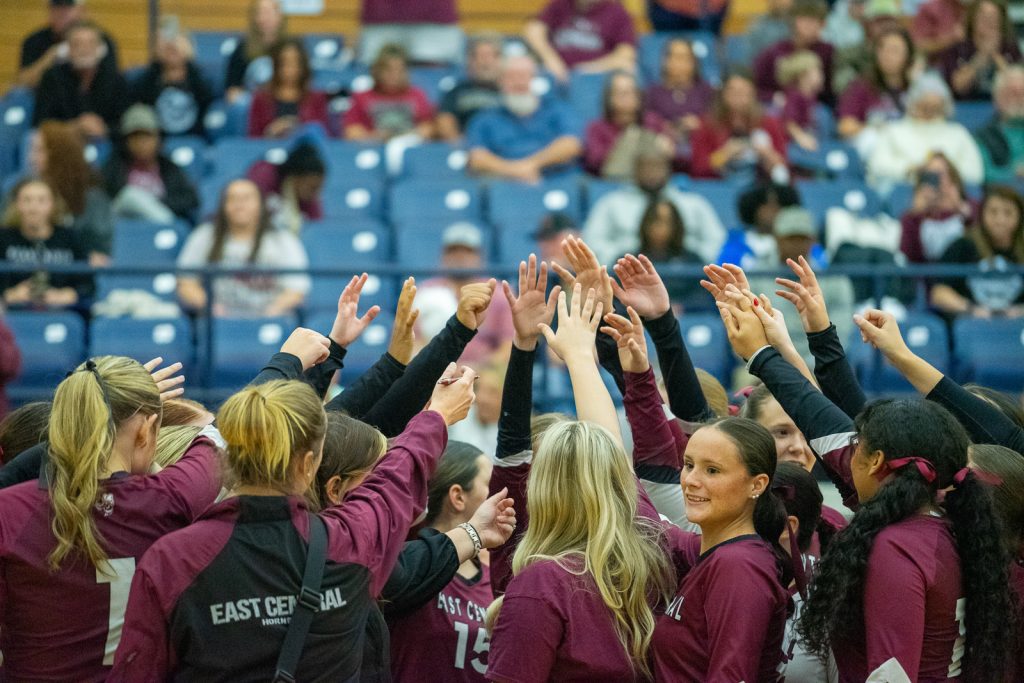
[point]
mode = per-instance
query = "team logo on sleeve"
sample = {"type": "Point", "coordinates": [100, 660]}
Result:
{"type": "Point", "coordinates": [105, 504]}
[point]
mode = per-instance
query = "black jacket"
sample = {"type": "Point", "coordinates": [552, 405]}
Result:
{"type": "Point", "coordinates": [60, 97]}
{"type": "Point", "coordinates": [180, 196]}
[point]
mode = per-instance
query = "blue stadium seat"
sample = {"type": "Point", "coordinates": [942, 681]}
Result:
{"type": "Point", "coordinates": [722, 194]}
{"type": "Point", "coordinates": [515, 245]}
{"type": "Point", "coordinates": [737, 51]}
{"type": "Point", "coordinates": [990, 352]}
{"type": "Point", "coordinates": [233, 156]}
{"type": "Point", "coordinates": [352, 198]}
{"type": "Point", "coordinates": [586, 94]}
{"type": "Point", "coordinates": [15, 121]}
{"type": "Point", "coordinates": [652, 46]}
{"type": "Point", "coordinates": [162, 285]}
{"type": "Point", "coordinates": [434, 161]}
{"type": "Point", "coordinates": [367, 350]}
{"type": "Point", "coordinates": [435, 81]}
{"type": "Point", "coordinates": [142, 244]}
{"type": "Point", "coordinates": [900, 198]}
{"type": "Point", "coordinates": [832, 160]}
{"type": "Point", "coordinates": [213, 49]}
{"type": "Point", "coordinates": [241, 347]}
{"type": "Point", "coordinates": [439, 200]}
{"type": "Point", "coordinates": [324, 49]}
{"type": "Point", "coordinates": [350, 247]}
{"type": "Point", "coordinates": [708, 345]}
{"type": "Point", "coordinates": [818, 196]}
{"type": "Point", "coordinates": [225, 120]}
{"type": "Point", "coordinates": [973, 115]}
{"type": "Point", "coordinates": [189, 153]}
{"type": "Point", "coordinates": [51, 345]}
{"type": "Point", "coordinates": [144, 340]}
{"type": "Point", "coordinates": [926, 335]}
{"type": "Point", "coordinates": [353, 160]}
{"type": "Point", "coordinates": [515, 206]}
{"type": "Point", "coordinates": [418, 245]}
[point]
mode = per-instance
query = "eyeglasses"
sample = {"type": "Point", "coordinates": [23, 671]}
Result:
{"type": "Point", "coordinates": [854, 441]}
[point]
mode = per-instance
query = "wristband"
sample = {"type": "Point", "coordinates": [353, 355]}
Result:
{"type": "Point", "coordinates": [473, 536]}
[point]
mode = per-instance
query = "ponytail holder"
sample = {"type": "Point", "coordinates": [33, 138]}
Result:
{"type": "Point", "coordinates": [969, 473]}
{"type": "Point", "coordinates": [923, 466]}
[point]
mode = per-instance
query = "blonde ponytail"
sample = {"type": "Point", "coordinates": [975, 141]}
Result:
{"type": "Point", "coordinates": [265, 425]}
{"type": "Point", "coordinates": [88, 408]}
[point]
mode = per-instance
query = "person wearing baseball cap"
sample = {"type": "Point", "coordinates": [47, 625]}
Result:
{"type": "Point", "coordinates": [143, 182]}
{"type": "Point", "coordinates": [46, 46]}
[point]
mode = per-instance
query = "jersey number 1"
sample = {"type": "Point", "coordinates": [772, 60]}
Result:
{"type": "Point", "coordinates": [480, 647]}
{"type": "Point", "coordinates": [118, 573]}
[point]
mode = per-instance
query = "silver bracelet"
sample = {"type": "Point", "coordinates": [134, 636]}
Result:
{"type": "Point", "coordinates": [473, 536]}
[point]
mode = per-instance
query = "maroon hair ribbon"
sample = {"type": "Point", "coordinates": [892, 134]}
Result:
{"type": "Point", "coordinates": [925, 467]}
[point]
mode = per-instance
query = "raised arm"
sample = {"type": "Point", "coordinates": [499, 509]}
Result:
{"type": "Point", "coordinates": [303, 349]}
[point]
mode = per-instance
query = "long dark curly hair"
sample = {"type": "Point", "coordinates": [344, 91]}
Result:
{"type": "Point", "coordinates": [916, 428]}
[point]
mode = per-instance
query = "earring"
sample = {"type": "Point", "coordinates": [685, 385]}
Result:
{"type": "Point", "coordinates": [754, 496]}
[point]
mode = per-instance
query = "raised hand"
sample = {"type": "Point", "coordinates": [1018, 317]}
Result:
{"type": "Point", "coordinates": [402, 335]}
{"type": "Point", "coordinates": [495, 519]}
{"type": "Point", "coordinates": [881, 330]}
{"type": "Point", "coordinates": [473, 302]}
{"type": "Point", "coordinates": [347, 323]}
{"type": "Point", "coordinates": [530, 308]}
{"type": "Point", "coordinates": [309, 346]}
{"type": "Point", "coordinates": [453, 394]}
{"type": "Point", "coordinates": [744, 328]}
{"type": "Point", "coordinates": [590, 274]}
{"type": "Point", "coordinates": [642, 287]}
{"type": "Point", "coordinates": [577, 326]}
{"type": "Point", "coordinates": [628, 334]}
{"type": "Point", "coordinates": [721, 276]}
{"type": "Point", "coordinates": [805, 295]}
{"type": "Point", "coordinates": [167, 380]}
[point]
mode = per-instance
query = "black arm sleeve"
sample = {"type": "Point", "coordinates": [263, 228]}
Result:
{"type": "Point", "coordinates": [410, 393]}
{"type": "Point", "coordinates": [833, 371]}
{"type": "Point", "coordinates": [516, 404]}
{"type": "Point", "coordinates": [608, 357]}
{"type": "Point", "coordinates": [359, 398]}
{"type": "Point", "coordinates": [319, 376]}
{"type": "Point", "coordinates": [685, 397]}
{"type": "Point", "coordinates": [280, 366]}
{"type": "Point", "coordinates": [982, 420]}
{"type": "Point", "coordinates": [24, 467]}
{"type": "Point", "coordinates": [425, 566]}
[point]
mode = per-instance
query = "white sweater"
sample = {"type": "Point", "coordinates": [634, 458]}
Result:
{"type": "Point", "coordinates": [904, 145]}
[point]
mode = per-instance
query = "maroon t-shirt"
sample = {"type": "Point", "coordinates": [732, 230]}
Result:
{"type": "Point", "coordinates": [554, 626]}
{"type": "Point", "coordinates": [445, 640]}
{"type": "Point", "coordinates": [1015, 672]}
{"type": "Point", "coordinates": [580, 37]}
{"type": "Point", "coordinates": [398, 113]}
{"type": "Point", "coordinates": [65, 625]}
{"type": "Point", "coordinates": [798, 109]}
{"type": "Point", "coordinates": [400, 12]}
{"type": "Point", "coordinates": [673, 104]}
{"type": "Point", "coordinates": [865, 103]}
{"type": "Point", "coordinates": [764, 67]}
{"type": "Point", "coordinates": [913, 606]}
{"type": "Point", "coordinates": [728, 618]}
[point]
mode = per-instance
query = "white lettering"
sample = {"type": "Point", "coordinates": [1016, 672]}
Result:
{"type": "Point", "coordinates": [675, 608]}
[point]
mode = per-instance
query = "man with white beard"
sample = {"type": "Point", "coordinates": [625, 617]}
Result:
{"type": "Point", "coordinates": [1002, 140]}
{"type": "Point", "coordinates": [527, 136]}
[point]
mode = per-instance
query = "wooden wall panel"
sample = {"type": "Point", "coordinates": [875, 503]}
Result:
{"type": "Point", "coordinates": [127, 20]}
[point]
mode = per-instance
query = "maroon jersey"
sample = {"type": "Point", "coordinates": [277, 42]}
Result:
{"type": "Point", "coordinates": [1015, 667]}
{"type": "Point", "coordinates": [554, 626]}
{"type": "Point", "coordinates": [726, 623]}
{"type": "Point", "coordinates": [65, 626]}
{"type": "Point", "coordinates": [445, 640]}
{"type": "Point", "coordinates": [913, 607]}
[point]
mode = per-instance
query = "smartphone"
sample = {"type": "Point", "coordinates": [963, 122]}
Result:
{"type": "Point", "coordinates": [930, 178]}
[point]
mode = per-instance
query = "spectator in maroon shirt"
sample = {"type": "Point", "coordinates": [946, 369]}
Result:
{"type": "Point", "coordinates": [249, 63]}
{"type": "Point", "coordinates": [428, 29]}
{"type": "Point", "coordinates": [808, 23]}
{"type": "Point", "coordinates": [938, 25]}
{"type": "Point", "coordinates": [393, 107]}
{"type": "Point", "coordinates": [738, 138]}
{"type": "Point", "coordinates": [801, 76]}
{"type": "Point", "coordinates": [877, 95]}
{"type": "Point", "coordinates": [682, 97]}
{"type": "Point", "coordinates": [939, 214]}
{"type": "Point", "coordinates": [611, 142]}
{"type": "Point", "coordinates": [971, 65]}
{"type": "Point", "coordinates": [587, 35]}
{"type": "Point", "coordinates": [287, 101]}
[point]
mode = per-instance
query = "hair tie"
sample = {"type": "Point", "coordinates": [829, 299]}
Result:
{"type": "Point", "coordinates": [925, 467]}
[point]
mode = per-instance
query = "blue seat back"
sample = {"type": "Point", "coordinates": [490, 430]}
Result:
{"type": "Point", "coordinates": [990, 352]}
{"type": "Point", "coordinates": [445, 201]}
{"type": "Point", "coordinates": [144, 340]}
{"type": "Point", "coordinates": [145, 244]}
{"type": "Point", "coordinates": [51, 345]}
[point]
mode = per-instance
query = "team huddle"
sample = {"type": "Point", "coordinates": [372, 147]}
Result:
{"type": "Point", "coordinates": [143, 538]}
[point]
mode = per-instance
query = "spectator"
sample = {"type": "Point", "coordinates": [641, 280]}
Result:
{"type": "Point", "coordinates": [477, 92]}
{"type": "Point", "coordinates": [57, 155]}
{"type": "Point", "coordinates": [769, 28]}
{"type": "Point", "coordinates": [687, 15]}
{"type": "Point", "coordinates": [995, 243]}
{"type": "Point", "coordinates": [1002, 141]}
{"type": "Point", "coordinates": [249, 65]}
{"type": "Point", "coordinates": [586, 35]}
{"type": "Point", "coordinates": [753, 244]}
{"type": "Point", "coordinates": [808, 21]}
{"type": "Point", "coordinates": [844, 26]}
{"type": "Point", "coordinates": [938, 25]}
{"type": "Point", "coordinates": [611, 142]}
{"type": "Point", "coordinates": [292, 189]}
{"type": "Point", "coordinates": [438, 298]}
{"type": "Point", "coordinates": [795, 236]}
{"type": "Point", "coordinates": [682, 97]}
{"type": "Point", "coordinates": [526, 136]}
{"type": "Point", "coordinates": [853, 61]}
{"type": "Point", "coordinates": [393, 107]}
{"type": "Point", "coordinates": [143, 182]}
{"type": "Point", "coordinates": [802, 79]}
{"type": "Point", "coordinates": [85, 89]}
{"type": "Point", "coordinates": [550, 234]}
{"type": "Point", "coordinates": [173, 84]}
{"type": "Point", "coordinates": [428, 29]}
{"type": "Point", "coordinates": [47, 46]}
{"type": "Point", "coordinates": [905, 144]}
{"type": "Point", "coordinates": [33, 239]}
{"type": "Point", "coordinates": [662, 240]}
{"type": "Point", "coordinates": [286, 101]}
{"type": "Point", "coordinates": [990, 47]}
{"type": "Point", "coordinates": [613, 226]}
{"type": "Point", "coordinates": [241, 235]}
{"type": "Point", "coordinates": [737, 139]}
{"type": "Point", "coordinates": [939, 214]}
{"type": "Point", "coordinates": [878, 95]}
